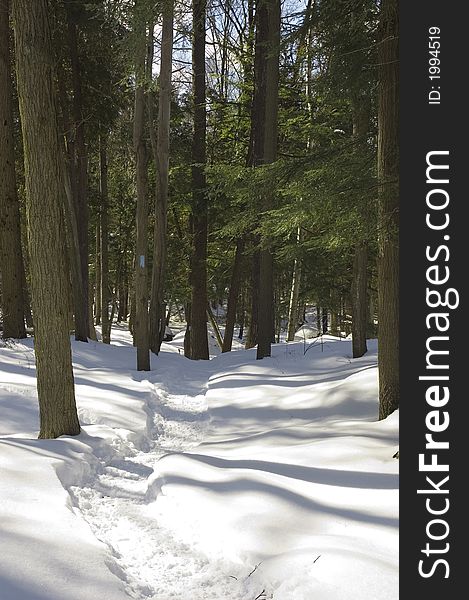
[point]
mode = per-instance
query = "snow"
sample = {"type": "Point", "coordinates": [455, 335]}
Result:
{"type": "Point", "coordinates": [232, 478]}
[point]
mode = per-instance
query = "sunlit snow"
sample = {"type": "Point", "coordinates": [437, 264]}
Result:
{"type": "Point", "coordinates": [232, 479]}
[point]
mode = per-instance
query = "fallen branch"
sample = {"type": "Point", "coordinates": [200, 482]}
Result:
{"type": "Point", "coordinates": [255, 569]}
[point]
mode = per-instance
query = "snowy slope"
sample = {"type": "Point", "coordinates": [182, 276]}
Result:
{"type": "Point", "coordinates": [231, 479]}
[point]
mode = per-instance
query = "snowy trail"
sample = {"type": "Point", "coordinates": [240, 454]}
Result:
{"type": "Point", "coordinates": [150, 559]}
{"type": "Point", "coordinates": [232, 479]}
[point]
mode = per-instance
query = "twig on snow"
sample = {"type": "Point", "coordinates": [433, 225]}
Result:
{"type": "Point", "coordinates": [255, 569]}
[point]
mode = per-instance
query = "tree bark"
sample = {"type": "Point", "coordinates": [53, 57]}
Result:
{"type": "Point", "coordinates": [233, 297]}
{"type": "Point", "coordinates": [187, 335]}
{"type": "Point", "coordinates": [141, 326]}
{"type": "Point", "coordinates": [266, 74]}
{"type": "Point", "coordinates": [11, 256]}
{"type": "Point", "coordinates": [324, 321]}
{"type": "Point", "coordinates": [71, 218]}
{"type": "Point", "coordinates": [359, 300]}
{"type": "Point", "coordinates": [106, 324]}
{"type": "Point", "coordinates": [44, 205]}
{"type": "Point", "coordinates": [198, 277]}
{"type": "Point", "coordinates": [388, 217]}
{"type": "Point", "coordinates": [215, 327]}
{"type": "Point", "coordinates": [254, 312]}
{"type": "Point", "coordinates": [157, 327]}
{"type": "Point", "coordinates": [80, 159]}
{"type": "Point", "coordinates": [241, 315]}
{"type": "Point", "coordinates": [361, 119]}
{"type": "Point", "coordinates": [92, 330]}
{"type": "Point", "coordinates": [98, 273]}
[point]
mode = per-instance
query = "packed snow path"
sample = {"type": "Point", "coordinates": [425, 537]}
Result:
{"type": "Point", "coordinates": [230, 479]}
{"type": "Point", "coordinates": [151, 559]}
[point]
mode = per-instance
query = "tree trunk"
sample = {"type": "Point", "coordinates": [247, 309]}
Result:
{"type": "Point", "coordinates": [11, 256]}
{"type": "Point", "coordinates": [106, 324]}
{"type": "Point", "coordinates": [359, 300]}
{"type": "Point", "coordinates": [97, 312]}
{"type": "Point", "coordinates": [198, 331]}
{"type": "Point", "coordinates": [215, 327]}
{"type": "Point", "coordinates": [141, 328]}
{"type": "Point", "coordinates": [371, 327]}
{"type": "Point", "coordinates": [241, 315]}
{"type": "Point", "coordinates": [361, 119]}
{"type": "Point", "coordinates": [44, 205]}
{"type": "Point", "coordinates": [294, 295]}
{"type": "Point", "coordinates": [254, 314]}
{"type": "Point", "coordinates": [71, 215]}
{"type": "Point", "coordinates": [324, 321]}
{"type": "Point", "coordinates": [187, 335]}
{"type": "Point", "coordinates": [132, 314]}
{"type": "Point", "coordinates": [80, 158]}
{"type": "Point", "coordinates": [266, 74]}
{"type": "Point", "coordinates": [233, 297]}
{"type": "Point", "coordinates": [157, 327]}
{"type": "Point", "coordinates": [388, 217]}
{"type": "Point", "coordinates": [93, 335]}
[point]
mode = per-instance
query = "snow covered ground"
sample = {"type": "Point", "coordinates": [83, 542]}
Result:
{"type": "Point", "coordinates": [232, 479]}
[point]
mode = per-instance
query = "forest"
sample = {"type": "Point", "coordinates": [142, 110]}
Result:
{"type": "Point", "coordinates": [195, 193]}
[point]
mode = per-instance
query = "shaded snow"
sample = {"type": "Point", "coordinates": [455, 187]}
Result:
{"type": "Point", "coordinates": [232, 478]}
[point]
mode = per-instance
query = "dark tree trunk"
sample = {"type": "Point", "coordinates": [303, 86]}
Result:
{"type": "Point", "coordinates": [324, 321]}
{"type": "Point", "coordinates": [266, 78]}
{"type": "Point", "coordinates": [254, 313]}
{"type": "Point", "coordinates": [359, 300]}
{"type": "Point", "coordinates": [98, 274]}
{"type": "Point", "coordinates": [371, 327]}
{"type": "Point", "coordinates": [361, 119]}
{"type": "Point", "coordinates": [132, 314]}
{"type": "Point", "coordinates": [233, 297]}
{"type": "Point", "coordinates": [106, 323]}
{"type": "Point", "coordinates": [71, 216]}
{"type": "Point", "coordinates": [241, 315]}
{"type": "Point", "coordinates": [187, 335]}
{"type": "Point", "coordinates": [214, 324]}
{"type": "Point", "coordinates": [388, 218]}
{"type": "Point", "coordinates": [11, 256]}
{"type": "Point", "coordinates": [92, 330]}
{"type": "Point", "coordinates": [44, 205]}
{"type": "Point", "coordinates": [141, 326]}
{"type": "Point", "coordinates": [198, 331]}
{"type": "Point", "coordinates": [80, 159]}
{"type": "Point", "coordinates": [161, 152]}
